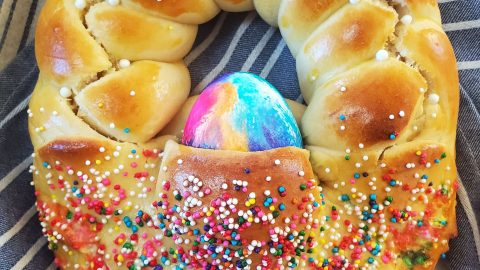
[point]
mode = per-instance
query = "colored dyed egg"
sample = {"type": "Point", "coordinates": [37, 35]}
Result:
{"type": "Point", "coordinates": [242, 112]}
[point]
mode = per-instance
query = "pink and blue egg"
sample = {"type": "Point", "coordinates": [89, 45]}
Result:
{"type": "Point", "coordinates": [242, 112]}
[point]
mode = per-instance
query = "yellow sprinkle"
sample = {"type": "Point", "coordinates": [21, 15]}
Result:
{"type": "Point", "coordinates": [354, 195]}
{"type": "Point", "coordinates": [98, 162]}
{"type": "Point", "coordinates": [120, 240]}
{"type": "Point", "coordinates": [100, 105]}
{"type": "Point", "coordinates": [357, 261]}
{"type": "Point", "coordinates": [116, 228]}
{"type": "Point", "coordinates": [209, 213]}
{"type": "Point", "coordinates": [42, 128]}
{"type": "Point", "coordinates": [435, 245]}
{"type": "Point", "coordinates": [120, 258]}
{"type": "Point", "coordinates": [70, 253]}
{"type": "Point", "coordinates": [418, 153]}
{"type": "Point", "coordinates": [272, 208]}
{"type": "Point", "coordinates": [247, 204]}
{"type": "Point", "coordinates": [127, 208]}
{"type": "Point", "coordinates": [250, 219]}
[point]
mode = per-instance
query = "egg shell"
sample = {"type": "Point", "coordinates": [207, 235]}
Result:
{"type": "Point", "coordinates": [243, 112]}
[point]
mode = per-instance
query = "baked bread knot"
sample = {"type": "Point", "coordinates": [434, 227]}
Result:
{"type": "Point", "coordinates": [381, 85]}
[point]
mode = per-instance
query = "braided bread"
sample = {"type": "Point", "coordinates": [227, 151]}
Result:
{"type": "Point", "coordinates": [381, 85]}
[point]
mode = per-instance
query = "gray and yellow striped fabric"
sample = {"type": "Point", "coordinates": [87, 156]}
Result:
{"type": "Point", "coordinates": [231, 42]}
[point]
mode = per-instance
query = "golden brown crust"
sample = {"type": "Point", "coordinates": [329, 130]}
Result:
{"type": "Point", "coordinates": [340, 44]}
{"type": "Point", "coordinates": [379, 99]}
{"type": "Point", "coordinates": [102, 204]}
{"type": "Point", "coordinates": [135, 103]}
{"type": "Point", "coordinates": [283, 175]}
{"type": "Point", "coordinates": [58, 53]}
{"type": "Point", "coordinates": [148, 38]}
{"type": "Point", "coordinates": [312, 12]}
{"type": "Point", "coordinates": [183, 11]}
{"type": "Point", "coordinates": [235, 5]}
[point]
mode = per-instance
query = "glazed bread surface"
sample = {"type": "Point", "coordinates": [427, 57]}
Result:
{"type": "Point", "coordinates": [381, 85]}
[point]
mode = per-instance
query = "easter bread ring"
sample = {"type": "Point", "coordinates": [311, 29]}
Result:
{"type": "Point", "coordinates": [374, 188]}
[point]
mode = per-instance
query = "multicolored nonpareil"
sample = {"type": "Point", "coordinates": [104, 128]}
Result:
{"type": "Point", "coordinates": [243, 112]}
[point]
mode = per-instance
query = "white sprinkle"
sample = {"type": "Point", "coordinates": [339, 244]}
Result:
{"type": "Point", "coordinates": [360, 145]}
{"type": "Point", "coordinates": [268, 178]}
{"type": "Point", "coordinates": [132, 93]}
{"type": "Point", "coordinates": [433, 98]}
{"type": "Point", "coordinates": [80, 4]}
{"type": "Point", "coordinates": [65, 92]}
{"type": "Point", "coordinates": [381, 55]}
{"type": "Point", "coordinates": [277, 162]}
{"type": "Point", "coordinates": [342, 127]}
{"type": "Point", "coordinates": [301, 173]}
{"type": "Point", "coordinates": [422, 90]}
{"type": "Point", "coordinates": [224, 186]}
{"type": "Point", "coordinates": [113, 2]}
{"type": "Point", "coordinates": [102, 149]}
{"type": "Point", "coordinates": [391, 117]}
{"type": "Point", "coordinates": [123, 63]}
{"type": "Point", "coordinates": [343, 89]}
{"type": "Point", "coordinates": [179, 162]}
{"type": "Point", "coordinates": [401, 114]}
{"type": "Point", "coordinates": [112, 125]}
{"type": "Point", "coordinates": [327, 170]}
{"type": "Point", "coordinates": [365, 158]}
{"type": "Point", "coordinates": [407, 19]}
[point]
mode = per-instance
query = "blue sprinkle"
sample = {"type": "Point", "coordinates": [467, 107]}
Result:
{"type": "Point", "coordinates": [126, 130]}
{"type": "Point", "coordinates": [342, 117]}
{"type": "Point", "coordinates": [392, 137]}
{"type": "Point", "coordinates": [133, 151]}
{"type": "Point", "coordinates": [356, 175]}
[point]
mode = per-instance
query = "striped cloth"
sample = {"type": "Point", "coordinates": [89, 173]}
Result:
{"type": "Point", "coordinates": [231, 42]}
